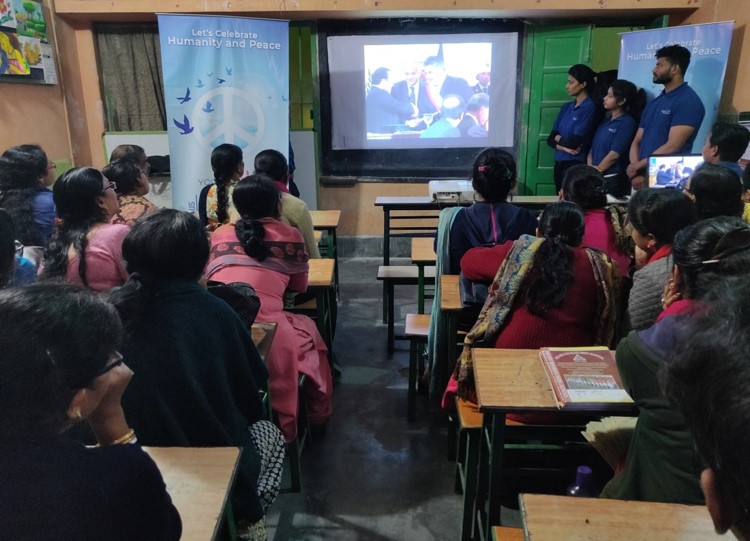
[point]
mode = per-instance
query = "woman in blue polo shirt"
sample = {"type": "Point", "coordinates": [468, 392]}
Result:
{"type": "Point", "coordinates": [609, 149]}
{"type": "Point", "coordinates": [571, 135]}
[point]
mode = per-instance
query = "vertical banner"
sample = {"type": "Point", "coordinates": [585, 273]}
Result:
{"type": "Point", "coordinates": [709, 49]}
{"type": "Point", "coordinates": [226, 80]}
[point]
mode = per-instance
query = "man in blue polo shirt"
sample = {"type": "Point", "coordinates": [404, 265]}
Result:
{"type": "Point", "coordinates": [671, 121]}
{"type": "Point", "coordinates": [726, 145]}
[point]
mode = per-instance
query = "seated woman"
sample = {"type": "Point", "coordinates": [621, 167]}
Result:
{"type": "Point", "coordinates": [198, 370]}
{"type": "Point", "coordinates": [132, 186]}
{"type": "Point", "coordinates": [545, 291]}
{"type": "Point", "coordinates": [270, 256]}
{"type": "Point", "coordinates": [85, 248]}
{"type": "Point", "coordinates": [228, 166]}
{"type": "Point", "coordinates": [605, 227]}
{"type": "Point", "coordinates": [25, 176]}
{"type": "Point", "coordinates": [491, 219]}
{"type": "Point", "coordinates": [717, 191]}
{"type": "Point", "coordinates": [59, 366]}
{"type": "Point", "coordinates": [656, 216]}
{"type": "Point", "coordinates": [661, 464]}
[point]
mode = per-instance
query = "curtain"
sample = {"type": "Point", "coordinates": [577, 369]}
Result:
{"type": "Point", "coordinates": [130, 69]}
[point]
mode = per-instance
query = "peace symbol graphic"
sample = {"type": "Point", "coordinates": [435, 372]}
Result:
{"type": "Point", "coordinates": [235, 117]}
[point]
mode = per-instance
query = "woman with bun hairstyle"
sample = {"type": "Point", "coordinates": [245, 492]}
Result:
{"type": "Point", "coordinates": [611, 144]}
{"type": "Point", "coordinates": [132, 186]}
{"type": "Point", "coordinates": [656, 216]}
{"type": "Point", "coordinates": [606, 229]}
{"type": "Point", "coordinates": [575, 124]}
{"type": "Point", "coordinates": [264, 252]}
{"type": "Point", "coordinates": [85, 248]}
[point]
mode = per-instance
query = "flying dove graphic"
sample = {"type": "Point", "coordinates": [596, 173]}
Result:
{"type": "Point", "coordinates": [229, 71]}
{"type": "Point", "coordinates": [200, 84]}
{"type": "Point", "coordinates": [186, 97]}
{"type": "Point", "coordinates": [184, 125]}
{"type": "Point", "coordinates": [220, 80]}
{"type": "Point", "coordinates": [208, 108]}
{"type": "Point", "coordinates": [209, 74]}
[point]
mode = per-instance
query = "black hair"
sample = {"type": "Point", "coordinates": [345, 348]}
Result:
{"type": "Point", "coordinates": [584, 185]}
{"type": "Point", "coordinates": [272, 163]}
{"type": "Point", "coordinates": [162, 246]}
{"type": "Point", "coordinates": [634, 98]}
{"type": "Point", "coordinates": [706, 380]}
{"type": "Point", "coordinates": [746, 178]}
{"type": "Point", "coordinates": [717, 191]}
{"type": "Point", "coordinates": [434, 61]}
{"type": "Point", "coordinates": [7, 247]}
{"type": "Point", "coordinates": [124, 172]}
{"type": "Point", "coordinates": [562, 227]}
{"type": "Point", "coordinates": [379, 75]}
{"type": "Point", "coordinates": [21, 170]}
{"type": "Point", "coordinates": [255, 197]}
{"type": "Point", "coordinates": [225, 159]}
{"type": "Point", "coordinates": [675, 54]}
{"type": "Point", "coordinates": [494, 174]}
{"type": "Point", "coordinates": [453, 106]}
{"type": "Point", "coordinates": [584, 75]}
{"type": "Point", "coordinates": [55, 339]}
{"type": "Point", "coordinates": [710, 250]}
{"type": "Point", "coordinates": [731, 140]}
{"type": "Point", "coordinates": [477, 101]}
{"type": "Point", "coordinates": [76, 195]}
{"type": "Point", "coordinates": [661, 213]}
{"type": "Point", "coordinates": [134, 152]}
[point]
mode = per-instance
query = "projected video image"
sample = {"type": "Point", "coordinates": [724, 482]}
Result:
{"type": "Point", "coordinates": [671, 171]}
{"type": "Point", "coordinates": [427, 91]}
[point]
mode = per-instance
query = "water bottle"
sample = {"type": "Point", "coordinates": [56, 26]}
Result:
{"type": "Point", "coordinates": [583, 486]}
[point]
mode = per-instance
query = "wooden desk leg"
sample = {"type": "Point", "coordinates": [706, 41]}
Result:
{"type": "Point", "coordinates": [386, 255]}
{"type": "Point", "coordinates": [323, 318]}
{"type": "Point", "coordinates": [390, 302]}
{"type": "Point", "coordinates": [420, 288]}
{"type": "Point", "coordinates": [492, 446]}
{"type": "Point", "coordinates": [333, 252]}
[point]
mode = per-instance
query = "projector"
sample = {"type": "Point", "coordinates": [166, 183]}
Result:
{"type": "Point", "coordinates": [451, 191]}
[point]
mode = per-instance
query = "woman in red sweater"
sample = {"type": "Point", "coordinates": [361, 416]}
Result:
{"type": "Point", "coordinates": [546, 291]}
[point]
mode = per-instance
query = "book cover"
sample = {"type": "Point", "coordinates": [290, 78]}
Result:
{"type": "Point", "coordinates": [583, 376]}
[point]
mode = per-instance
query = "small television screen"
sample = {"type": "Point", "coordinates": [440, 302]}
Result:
{"type": "Point", "coordinates": [671, 171]}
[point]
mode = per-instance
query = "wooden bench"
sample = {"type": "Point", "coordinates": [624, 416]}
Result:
{"type": "Point", "coordinates": [391, 276]}
{"type": "Point", "coordinates": [416, 329]}
{"type": "Point", "coordinates": [502, 533]}
{"type": "Point", "coordinates": [469, 425]}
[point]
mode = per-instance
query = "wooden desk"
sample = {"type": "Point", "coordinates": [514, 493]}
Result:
{"type": "Point", "coordinates": [511, 381]}
{"type": "Point", "coordinates": [199, 480]}
{"type": "Point", "coordinates": [422, 255]}
{"type": "Point", "coordinates": [328, 221]}
{"type": "Point", "coordinates": [263, 334]}
{"type": "Point", "coordinates": [451, 305]}
{"type": "Point", "coordinates": [560, 518]}
{"type": "Point", "coordinates": [320, 281]}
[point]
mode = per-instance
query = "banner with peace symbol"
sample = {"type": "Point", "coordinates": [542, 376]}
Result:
{"type": "Point", "coordinates": [225, 81]}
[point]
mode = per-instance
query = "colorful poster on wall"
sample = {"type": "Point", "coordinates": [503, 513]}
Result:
{"type": "Point", "coordinates": [226, 80]}
{"type": "Point", "coordinates": [709, 49]}
{"type": "Point", "coordinates": [25, 49]}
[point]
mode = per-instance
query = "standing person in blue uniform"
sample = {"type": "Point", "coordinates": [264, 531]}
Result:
{"type": "Point", "coordinates": [383, 110]}
{"type": "Point", "coordinates": [571, 135]}
{"type": "Point", "coordinates": [671, 120]}
{"type": "Point", "coordinates": [611, 144]}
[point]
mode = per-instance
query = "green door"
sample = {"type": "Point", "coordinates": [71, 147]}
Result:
{"type": "Point", "coordinates": [550, 53]}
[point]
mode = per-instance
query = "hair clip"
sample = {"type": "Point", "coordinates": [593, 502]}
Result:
{"type": "Point", "coordinates": [709, 261]}
{"type": "Point", "coordinates": [482, 168]}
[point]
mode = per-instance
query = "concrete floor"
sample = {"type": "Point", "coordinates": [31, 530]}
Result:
{"type": "Point", "coordinates": [373, 476]}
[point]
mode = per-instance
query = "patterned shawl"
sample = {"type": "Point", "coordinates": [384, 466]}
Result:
{"type": "Point", "coordinates": [286, 249]}
{"type": "Point", "coordinates": [502, 293]}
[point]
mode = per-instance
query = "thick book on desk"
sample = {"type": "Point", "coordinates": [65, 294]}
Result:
{"type": "Point", "coordinates": [583, 378]}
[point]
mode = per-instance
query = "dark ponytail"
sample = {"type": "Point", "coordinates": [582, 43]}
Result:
{"type": "Point", "coordinates": [255, 197]}
{"type": "Point", "coordinates": [225, 160]}
{"type": "Point", "coordinates": [633, 97]}
{"type": "Point", "coordinates": [76, 195]}
{"type": "Point", "coordinates": [562, 226]}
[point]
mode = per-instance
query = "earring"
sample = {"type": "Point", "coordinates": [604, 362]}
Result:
{"type": "Point", "coordinates": [77, 415]}
{"type": "Point", "coordinates": [651, 244]}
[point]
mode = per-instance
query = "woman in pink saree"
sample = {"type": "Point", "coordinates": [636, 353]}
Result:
{"type": "Point", "coordinates": [269, 255]}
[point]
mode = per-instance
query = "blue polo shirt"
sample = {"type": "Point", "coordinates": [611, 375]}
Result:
{"type": "Point", "coordinates": [576, 120]}
{"type": "Point", "coordinates": [614, 134]}
{"type": "Point", "coordinates": [680, 107]}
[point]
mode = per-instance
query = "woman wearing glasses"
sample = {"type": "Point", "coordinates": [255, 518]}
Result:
{"type": "Point", "coordinates": [85, 248]}
{"type": "Point", "coordinates": [132, 186]}
{"type": "Point", "coordinates": [59, 367]}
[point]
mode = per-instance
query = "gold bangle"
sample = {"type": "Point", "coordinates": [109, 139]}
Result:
{"type": "Point", "coordinates": [127, 438]}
